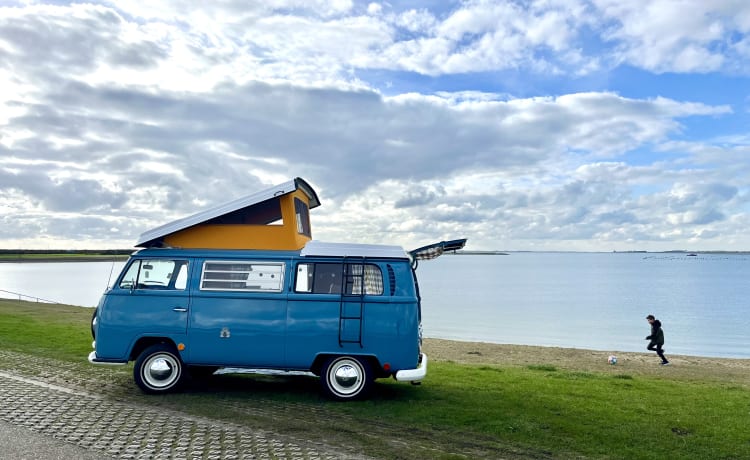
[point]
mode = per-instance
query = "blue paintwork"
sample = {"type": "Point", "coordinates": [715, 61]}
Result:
{"type": "Point", "coordinates": [280, 330]}
{"type": "Point", "coordinates": [126, 315]}
{"type": "Point", "coordinates": [255, 323]}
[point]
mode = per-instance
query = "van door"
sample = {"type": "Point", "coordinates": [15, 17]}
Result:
{"type": "Point", "coordinates": [151, 299]}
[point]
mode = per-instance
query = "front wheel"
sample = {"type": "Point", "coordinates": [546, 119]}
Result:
{"type": "Point", "coordinates": [345, 378]}
{"type": "Point", "coordinates": [158, 369]}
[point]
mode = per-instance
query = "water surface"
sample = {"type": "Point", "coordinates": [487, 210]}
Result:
{"type": "Point", "coordinates": [591, 300]}
{"type": "Point", "coordinates": [580, 300]}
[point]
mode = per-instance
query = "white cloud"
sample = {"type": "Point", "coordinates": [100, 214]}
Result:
{"type": "Point", "coordinates": [374, 8]}
{"type": "Point", "coordinates": [128, 116]}
{"type": "Point", "coordinates": [677, 36]}
{"type": "Point", "coordinates": [194, 46]}
{"type": "Point", "coordinates": [415, 21]}
{"type": "Point", "coordinates": [347, 142]}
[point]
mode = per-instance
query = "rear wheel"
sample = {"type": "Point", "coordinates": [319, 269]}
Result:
{"type": "Point", "coordinates": [158, 369]}
{"type": "Point", "coordinates": [345, 378]}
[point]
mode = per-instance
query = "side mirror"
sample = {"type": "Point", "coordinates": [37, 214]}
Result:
{"type": "Point", "coordinates": [128, 284]}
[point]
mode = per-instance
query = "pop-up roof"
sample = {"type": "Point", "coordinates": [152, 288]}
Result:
{"type": "Point", "coordinates": [274, 218]}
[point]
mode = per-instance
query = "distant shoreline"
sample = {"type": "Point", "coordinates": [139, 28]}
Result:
{"type": "Point", "coordinates": [25, 260]}
{"type": "Point", "coordinates": [106, 255]}
{"type": "Point", "coordinates": [478, 253]}
{"type": "Point", "coordinates": [31, 255]}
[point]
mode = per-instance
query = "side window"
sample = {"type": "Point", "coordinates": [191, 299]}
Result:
{"type": "Point", "coordinates": [131, 276]}
{"type": "Point", "coordinates": [365, 279]}
{"type": "Point", "coordinates": [155, 274]}
{"type": "Point", "coordinates": [180, 281]}
{"type": "Point", "coordinates": [305, 274]}
{"type": "Point", "coordinates": [302, 214]}
{"type": "Point", "coordinates": [331, 278]}
{"type": "Point", "coordinates": [242, 276]}
{"type": "Point", "coordinates": [320, 278]}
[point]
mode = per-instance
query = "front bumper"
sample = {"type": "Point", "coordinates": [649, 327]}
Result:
{"type": "Point", "coordinates": [414, 375]}
{"type": "Point", "coordinates": [93, 359]}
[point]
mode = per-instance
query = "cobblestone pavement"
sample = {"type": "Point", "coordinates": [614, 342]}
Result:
{"type": "Point", "coordinates": [127, 429]}
{"type": "Point", "coordinates": [20, 443]}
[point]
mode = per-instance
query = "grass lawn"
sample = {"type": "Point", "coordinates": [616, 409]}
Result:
{"type": "Point", "coordinates": [538, 408]}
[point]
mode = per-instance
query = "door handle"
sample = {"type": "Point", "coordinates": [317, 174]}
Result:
{"type": "Point", "coordinates": [180, 309]}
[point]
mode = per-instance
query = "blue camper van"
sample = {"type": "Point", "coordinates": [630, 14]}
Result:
{"type": "Point", "coordinates": [348, 313]}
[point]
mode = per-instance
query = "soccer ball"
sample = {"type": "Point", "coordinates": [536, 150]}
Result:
{"type": "Point", "coordinates": [612, 359]}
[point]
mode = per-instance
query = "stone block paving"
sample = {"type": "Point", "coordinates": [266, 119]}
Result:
{"type": "Point", "coordinates": [132, 431]}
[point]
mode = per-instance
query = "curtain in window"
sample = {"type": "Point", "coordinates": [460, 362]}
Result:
{"type": "Point", "coordinates": [373, 279]}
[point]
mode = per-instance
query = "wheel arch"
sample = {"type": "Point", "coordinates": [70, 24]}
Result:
{"type": "Point", "coordinates": [145, 342]}
{"type": "Point", "coordinates": [372, 360]}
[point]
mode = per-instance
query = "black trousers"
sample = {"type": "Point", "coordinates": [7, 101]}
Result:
{"type": "Point", "coordinates": [657, 347]}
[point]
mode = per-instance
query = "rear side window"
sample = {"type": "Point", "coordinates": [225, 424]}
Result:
{"type": "Point", "coordinates": [302, 215]}
{"type": "Point", "coordinates": [332, 278]}
{"type": "Point", "coordinates": [242, 276]}
{"type": "Point", "coordinates": [155, 274]}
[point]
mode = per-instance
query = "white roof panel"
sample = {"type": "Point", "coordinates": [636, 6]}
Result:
{"type": "Point", "coordinates": [323, 249]}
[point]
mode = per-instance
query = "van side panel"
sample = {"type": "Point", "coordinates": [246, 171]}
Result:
{"type": "Point", "coordinates": [237, 329]}
{"type": "Point", "coordinates": [393, 331]}
{"type": "Point", "coordinates": [127, 314]}
{"type": "Point", "coordinates": [390, 331]}
{"type": "Point", "coordinates": [389, 323]}
{"type": "Point", "coordinates": [312, 327]}
{"type": "Point", "coordinates": [404, 281]}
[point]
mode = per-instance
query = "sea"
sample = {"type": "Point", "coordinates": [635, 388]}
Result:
{"type": "Point", "coordinates": [595, 301]}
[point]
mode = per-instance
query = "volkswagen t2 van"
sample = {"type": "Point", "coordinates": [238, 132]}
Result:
{"type": "Point", "coordinates": [348, 313]}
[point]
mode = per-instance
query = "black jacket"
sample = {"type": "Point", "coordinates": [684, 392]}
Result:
{"type": "Point", "coordinates": [657, 334]}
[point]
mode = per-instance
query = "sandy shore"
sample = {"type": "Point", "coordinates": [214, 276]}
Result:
{"type": "Point", "coordinates": [682, 367]}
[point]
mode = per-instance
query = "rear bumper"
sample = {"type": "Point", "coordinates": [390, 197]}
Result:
{"type": "Point", "coordinates": [414, 375]}
{"type": "Point", "coordinates": [93, 359]}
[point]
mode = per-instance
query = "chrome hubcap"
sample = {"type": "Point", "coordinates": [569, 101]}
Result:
{"type": "Point", "coordinates": [161, 371]}
{"type": "Point", "coordinates": [346, 377]}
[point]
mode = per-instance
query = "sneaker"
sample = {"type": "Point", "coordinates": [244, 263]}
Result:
{"type": "Point", "coordinates": [665, 364]}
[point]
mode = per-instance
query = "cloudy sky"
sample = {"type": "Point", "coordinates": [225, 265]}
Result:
{"type": "Point", "coordinates": [522, 125]}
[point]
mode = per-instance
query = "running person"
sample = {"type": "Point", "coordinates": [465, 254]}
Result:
{"type": "Point", "coordinates": [656, 338]}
